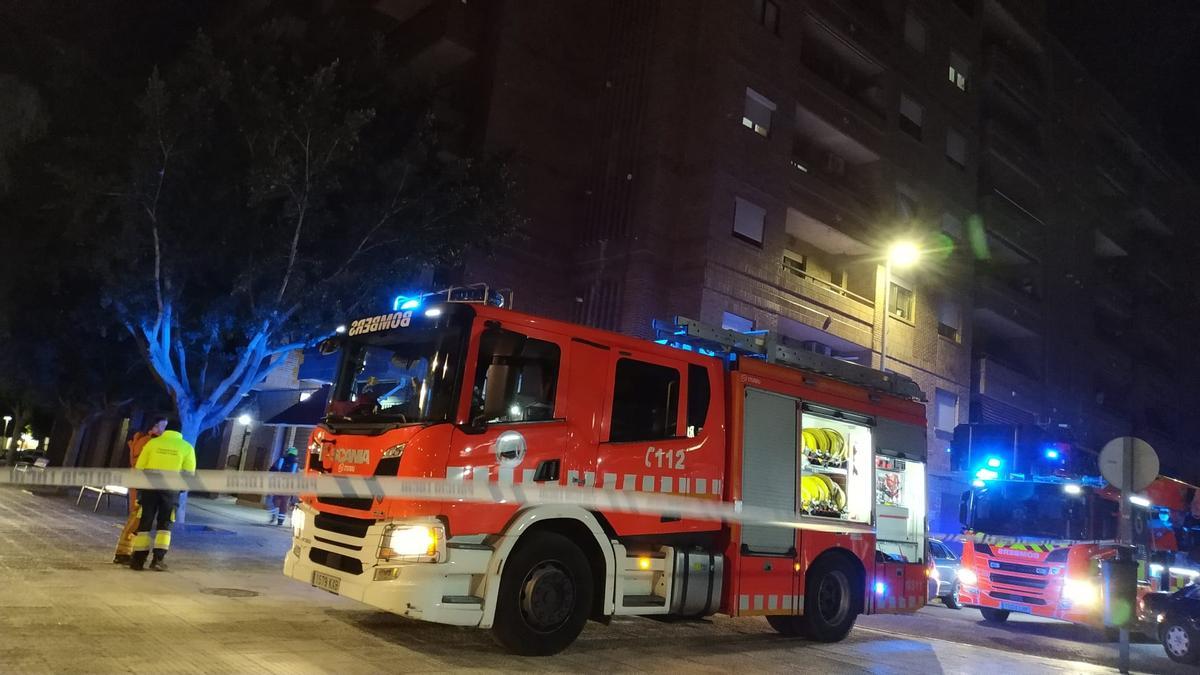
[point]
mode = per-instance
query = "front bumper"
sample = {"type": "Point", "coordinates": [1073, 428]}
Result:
{"type": "Point", "coordinates": [449, 592]}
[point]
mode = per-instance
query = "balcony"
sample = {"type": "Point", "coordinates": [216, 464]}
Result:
{"type": "Point", "coordinates": [1018, 147]}
{"type": "Point", "coordinates": [1009, 21]}
{"type": "Point", "coordinates": [434, 37]}
{"type": "Point", "coordinates": [856, 17]}
{"type": "Point", "coordinates": [1020, 81]}
{"type": "Point", "coordinates": [1014, 224]}
{"type": "Point", "coordinates": [1113, 294]}
{"type": "Point", "coordinates": [827, 295]}
{"type": "Point", "coordinates": [844, 71]}
{"type": "Point", "coordinates": [1002, 383]}
{"type": "Point", "coordinates": [1006, 312]}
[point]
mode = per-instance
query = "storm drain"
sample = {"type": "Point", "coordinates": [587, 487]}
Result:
{"type": "Point", "coordinates": [230, 592]}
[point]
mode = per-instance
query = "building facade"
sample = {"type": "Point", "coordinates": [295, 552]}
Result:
{"type": "Point", "coordinates": [749, 163]}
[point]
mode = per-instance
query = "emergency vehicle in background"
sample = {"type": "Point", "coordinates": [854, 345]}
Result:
{"type": "Point", "coordinates": [1078, 518]}
{"type": "Point", "coordinates": [452, 386]}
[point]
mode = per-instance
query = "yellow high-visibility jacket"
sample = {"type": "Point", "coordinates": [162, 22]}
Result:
{"type": "Point", "coordinates": [168, 452]}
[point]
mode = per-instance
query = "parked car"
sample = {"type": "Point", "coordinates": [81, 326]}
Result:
{"type": "Point", "coordinates": [945, 574]}
{"type": "Point", "coordinates": [1178, 617]}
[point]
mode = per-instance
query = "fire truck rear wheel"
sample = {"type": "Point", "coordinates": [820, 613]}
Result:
{"type": "Point", "coordinates": [994, 615]}
{"type": "Point", "coordinates": [830, 607]}
{"type": "Point", "coordinates": [545, 596]}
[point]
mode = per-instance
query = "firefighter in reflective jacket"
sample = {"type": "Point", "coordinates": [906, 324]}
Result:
{"type": "Point", "coordinates": [168, 452]}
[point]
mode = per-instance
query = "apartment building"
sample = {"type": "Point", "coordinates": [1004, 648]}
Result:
{"type": "Point", "coordinates": [749, 163]}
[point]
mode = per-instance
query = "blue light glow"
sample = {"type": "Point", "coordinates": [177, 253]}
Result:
{"type": "Point", "coordinates": [977, 483]}
{"type": "Point", "coordinates": [1051, 453]}
{"type": "Point", "coordinates": [993, 462]}
{"type": "Point", "coordinates": [880, 588]}
{"type": "Point", "coordinates": [411, 304]}
{"type": "Point", "coordinates": [986, 474]}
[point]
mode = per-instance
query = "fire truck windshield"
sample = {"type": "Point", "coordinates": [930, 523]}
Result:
{"type": "Point", "coordinates": [408, 375]}
{"type": "Point", "coordinates": [1033, 509]}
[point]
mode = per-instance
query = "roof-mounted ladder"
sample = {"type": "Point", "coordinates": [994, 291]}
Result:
{"type": "Point", "coordinates": [774, 348]}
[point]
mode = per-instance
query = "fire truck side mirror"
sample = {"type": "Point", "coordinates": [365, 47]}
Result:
{"type": "Point", "coordinates": [329, 346]}
{"type": "Point", "coordinates": [964, 509]}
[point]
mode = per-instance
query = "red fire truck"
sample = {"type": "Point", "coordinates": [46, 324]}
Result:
{"type": "Point", "coordinates": [1077, 518]}
{"type": "Point", "coordinates": [451, 386]}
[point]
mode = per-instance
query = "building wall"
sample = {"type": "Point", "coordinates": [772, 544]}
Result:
{"type": "Point", "coordinates": [625, 119]}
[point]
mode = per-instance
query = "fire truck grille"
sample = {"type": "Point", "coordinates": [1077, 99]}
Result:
{"type": "Point", "coordinates": [343, 525]}
{"type": "Point", "coordinates": [1017, 567]}
{"type": "Point", "coordinates": [348, 502]}
{"type": "Point", "coordinates": [1023, 582]}
{"type": "Point", "coordinates": [1016, 598]}
{"type": "Point", "coordinates": [335, 561]}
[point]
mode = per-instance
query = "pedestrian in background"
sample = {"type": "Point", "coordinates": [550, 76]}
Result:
{"type": "Point", "coordinates": [168, 453]}
{"type": "Point", "coordinates": [124, 554]}
{"type": "Point", "coordinates": [287, 463]}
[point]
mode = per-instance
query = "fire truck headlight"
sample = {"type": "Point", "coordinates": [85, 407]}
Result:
{"type": "Point", "coordinates": [297, 521]}
{"type": "Point", "coordinates": [1081, 591]}
{"type": "Point", "coordinates": [416, 542]}
{"type": "Point", "coordinates": [967, 576]}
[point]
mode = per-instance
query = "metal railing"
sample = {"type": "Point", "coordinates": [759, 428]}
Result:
{"type": "Point", "coordinates": [827, 286]}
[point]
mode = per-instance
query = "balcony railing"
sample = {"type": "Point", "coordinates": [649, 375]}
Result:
{"type": "Point", "coordinates": [998, 381]}
{"type": "Point", "coordinates": [822, 286]}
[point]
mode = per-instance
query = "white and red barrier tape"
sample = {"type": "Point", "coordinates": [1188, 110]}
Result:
{"type": "Point", "coordinates": [476, 491]}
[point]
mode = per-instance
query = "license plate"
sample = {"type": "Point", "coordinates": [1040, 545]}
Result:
{"type": "Point", "coordinates": [326, 582]}
{"type": "Point", "coordinates": [1012, 606]}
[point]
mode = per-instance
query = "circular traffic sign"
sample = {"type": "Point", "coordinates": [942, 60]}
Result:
{"type": "Point", "coordinates": [1144, 459]}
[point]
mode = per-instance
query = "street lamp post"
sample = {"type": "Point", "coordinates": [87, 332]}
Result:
{"type": "Point", "coordinates": [246, 421]}
{"type": "Point", "coordinates": [903, 254]}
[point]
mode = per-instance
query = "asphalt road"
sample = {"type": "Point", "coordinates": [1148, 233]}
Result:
{"type": "Point", "coordinates": [225, 607]}
{"type": "Point", "coordinates": [1025, 634]}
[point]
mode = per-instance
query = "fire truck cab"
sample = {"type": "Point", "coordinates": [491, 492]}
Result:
{"type": "Point", "coordinates": [451, 387]}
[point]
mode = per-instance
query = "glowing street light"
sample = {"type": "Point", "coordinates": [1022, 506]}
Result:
{"type": "Point", "coordinates": [900, 254]}
{"type": "Point", "coordinates": [245, 419]}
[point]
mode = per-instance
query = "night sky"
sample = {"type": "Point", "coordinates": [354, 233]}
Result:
{"type": "Point", "coordinates": [1147, 53]}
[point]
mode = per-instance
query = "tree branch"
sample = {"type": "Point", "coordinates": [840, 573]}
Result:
{"type": "Point", "coordinates": [301, 210]}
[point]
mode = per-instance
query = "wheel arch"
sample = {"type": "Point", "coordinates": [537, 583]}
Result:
{"type": "Point", "coordinates": [577, 524]}
{"type": "Point", "coordinates": [845, 557]}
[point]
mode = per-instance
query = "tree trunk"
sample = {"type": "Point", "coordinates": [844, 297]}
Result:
{"type": "Point", "coordinates": [78, 429]}
{"type": "Point", "coordinates": [189, 427]}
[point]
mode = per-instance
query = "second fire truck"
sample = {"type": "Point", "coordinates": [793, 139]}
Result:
{"type": "Point", "coordinates": [1075, 519]}
{"type": "Point", "coordinates": [453, 387]}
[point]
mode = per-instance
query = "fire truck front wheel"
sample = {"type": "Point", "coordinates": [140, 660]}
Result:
{"type": "Point", "coordinates": [991, 615]}
{"type": "Point", "coordinates": [545, 596]}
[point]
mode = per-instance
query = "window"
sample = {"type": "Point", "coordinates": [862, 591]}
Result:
{"type": "Point", "coordinates": [731, 321]}
{"type": "Point", "coordinates": [901, 301]}
{"type": "Point", "coordinates": [914, 33]}
{"type": "Point", "coordinates": [911, 115]}
{"type": "Point", "coordinates": [956, 148]}
{"type": "Point", "coordinates": [950, 320]}
{"type": "Point", "coordinates": [645, 402]}
{"type": "Point", "coordinates": [959, 67]}
{"type": "Point", "coordinates": [699, 393]}
{"type": "Point", "coordinates": [945, 410]}
{"type": "Point", "coordinates": [952, 227]}
{"type": "Point", "coordinates": [757, 113]}
{"type": "Point", "coordinates": [749, 220]}
{"type": "Point", "coordinates": [516, 378]}
{"type": "Point", "coordinates": [766, 13]}
{"type": "Point", "coordinates": [795, 263]}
